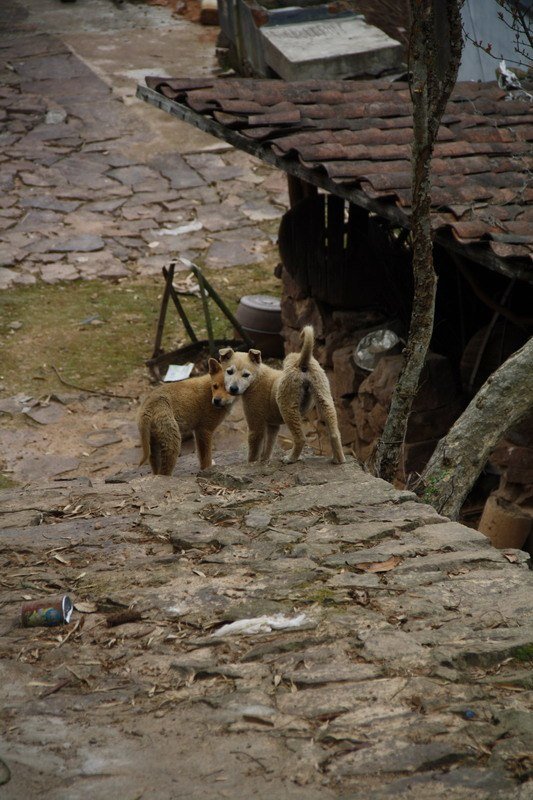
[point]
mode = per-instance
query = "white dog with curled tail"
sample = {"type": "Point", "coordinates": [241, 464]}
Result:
{"type": "Point", "coordinates": [273, 396]}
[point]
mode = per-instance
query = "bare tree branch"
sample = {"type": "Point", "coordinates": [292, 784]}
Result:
{"type": "Point", "coordinates": [519, 25]}
{"type": "Point", "coordinates": [516, 10]}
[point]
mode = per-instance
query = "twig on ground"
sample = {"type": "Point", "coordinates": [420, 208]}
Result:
{"type": "Point", "coordinates": [56, 688]}
{"type": "Point", "coordinates": [70, 633]}
{"type": "Point", "coordinates": [121, 617]}
{"type": "Point", "coordinates": [91, 391]}
{"type": "Point", "coordinates": [253, 758]}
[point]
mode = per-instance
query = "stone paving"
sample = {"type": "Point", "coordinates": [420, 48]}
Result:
{"type": "Point", "coordinates": [79, 435]}
{"type": "Point", "coordinates": [86, 192]}
{"type": "Point", "coordinates": [407, 674]}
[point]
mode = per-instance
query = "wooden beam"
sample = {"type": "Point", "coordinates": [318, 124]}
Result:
{"type": "Point", "coordinates": [485, 257]}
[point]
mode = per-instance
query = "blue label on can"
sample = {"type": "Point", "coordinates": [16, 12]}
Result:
{"type": "Point", "coordinates": [45, 616]}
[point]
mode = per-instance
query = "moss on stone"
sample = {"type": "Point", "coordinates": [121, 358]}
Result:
{"type": "Point", "coordinates": [524, 653]}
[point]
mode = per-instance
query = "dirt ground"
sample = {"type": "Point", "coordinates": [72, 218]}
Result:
{"type": "Point", "coordinates": [50, 426]}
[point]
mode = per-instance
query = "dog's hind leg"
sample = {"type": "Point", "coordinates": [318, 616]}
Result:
{"type": "Point", "coordinates": [204, 443]}
{"type": "Point", "coordinates": [256, 438]}
{"type": "Point", "coordinates": [290, 411]}
{"type": "Point", "coordinates": [272, 433]}
{"type": "Point", "coordinates": [328, 413]}
{"type": "Point", "coordinates": [155, 456]}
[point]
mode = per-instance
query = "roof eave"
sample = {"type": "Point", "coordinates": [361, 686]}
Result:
{"type": "Point", "coordinates": [390, 212]}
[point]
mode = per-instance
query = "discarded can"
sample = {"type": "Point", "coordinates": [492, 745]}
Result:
{"type": "Point", "coordinates": [46, 612]}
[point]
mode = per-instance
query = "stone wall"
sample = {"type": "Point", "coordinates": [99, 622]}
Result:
{"type": "Point", "coordinates": [363, 398]}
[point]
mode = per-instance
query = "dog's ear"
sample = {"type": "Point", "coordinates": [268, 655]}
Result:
{"type": "Point", "coordinates": [214, 366]}
{"type": "Point", "coordinates": [255, 355]}
{"type": "Point", "coordinates": [225, 354]}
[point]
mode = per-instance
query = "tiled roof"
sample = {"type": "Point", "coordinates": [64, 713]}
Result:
{"type": "Point", "coordinates": [358, 134]}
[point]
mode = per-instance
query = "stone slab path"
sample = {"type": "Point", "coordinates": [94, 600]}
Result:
{"type": "Point", "coordinates": [407, 674]}
{"type": "Point", "coordinates": [95, 184]}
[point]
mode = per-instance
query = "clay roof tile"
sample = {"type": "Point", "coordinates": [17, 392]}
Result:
{"type": "Point", "coordinates": [359, 133]}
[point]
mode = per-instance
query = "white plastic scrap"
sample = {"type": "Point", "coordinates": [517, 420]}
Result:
{"type": "Point", "coordinates": [190, 227]}
{"type": "Point", "coordinates": [506, 77]}
{"type": "Point", "coordinates": [264, 624]}
{"type": "Point", "coordinates": [373, 346]}
{"type": "Point", "coordinates": [509, 81]}
{"type": "Point", "coordinates": [178, 372]}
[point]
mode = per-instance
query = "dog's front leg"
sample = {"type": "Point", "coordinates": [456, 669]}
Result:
{"type": "Point", "coordinates": [255, 443]}
{"type": "Point", "coordinates": [204, 442]}
{"type": "Point", "coordinates": [272, 433]}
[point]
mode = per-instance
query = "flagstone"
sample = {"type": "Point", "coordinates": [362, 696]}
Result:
{"type": "Point", "coordinates": [82, 243]}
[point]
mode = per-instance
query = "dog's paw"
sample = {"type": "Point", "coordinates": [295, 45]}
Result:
{"type": "Point", "coordinates": [339, 460]}
{"type": "Point", "coordinates": [289, 459]}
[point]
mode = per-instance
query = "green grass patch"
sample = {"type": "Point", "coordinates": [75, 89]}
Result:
{"type": "Point", "coordinates": [55, 333]}
{"type": "Point", "coordinates": [5, 482]}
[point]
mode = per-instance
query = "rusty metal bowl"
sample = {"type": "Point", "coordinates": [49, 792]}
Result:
{"type": "Point", "coordinates": [260, 316]}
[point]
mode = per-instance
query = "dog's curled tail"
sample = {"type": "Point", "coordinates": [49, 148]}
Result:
{"type": "Point", "coordinates": [308, 343]}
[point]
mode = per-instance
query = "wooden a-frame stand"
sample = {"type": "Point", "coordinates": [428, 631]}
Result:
{"type": "Point", "coordinates": [160, 358]}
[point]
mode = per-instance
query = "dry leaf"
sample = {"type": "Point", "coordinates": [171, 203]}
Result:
{"type": "Point", "coordinates": [61, 559]}
{"type": "Point", "coordinates": [86, 608]}
{"type": "Point", "coordinates": [512, 557]}
{"type": "Point", "coordinates": [379, 566]}
{"type": "Point", "coordinates": [200, 573]}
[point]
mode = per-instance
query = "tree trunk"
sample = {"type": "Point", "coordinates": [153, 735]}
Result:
{"type": "Point", "coordinates": [460, 456]}
{"type": "Point", "coordinates": [436, 44]}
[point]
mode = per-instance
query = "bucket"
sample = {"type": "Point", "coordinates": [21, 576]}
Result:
{"type": "Point", "coordinates": [260, 316]}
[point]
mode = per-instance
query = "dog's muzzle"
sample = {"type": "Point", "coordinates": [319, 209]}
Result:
{"type": "Point", "coordinates": [217, 401]}
{"type": "Point", "coordinates": [234, 389]}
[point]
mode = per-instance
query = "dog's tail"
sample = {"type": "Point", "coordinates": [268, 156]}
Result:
{"type": "Point", "coordinates": [153, 408]}
{"type": "Point", "coordinates": [308, 343]}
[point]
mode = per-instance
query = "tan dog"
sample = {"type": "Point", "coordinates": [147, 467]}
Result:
{"type": "Point", "coordinates": [271, 397]}
{"type": "Point", "coordinates": [196, 404]}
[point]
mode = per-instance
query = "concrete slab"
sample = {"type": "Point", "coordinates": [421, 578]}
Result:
{"type": "Point", "coordinates": [331, 49]}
